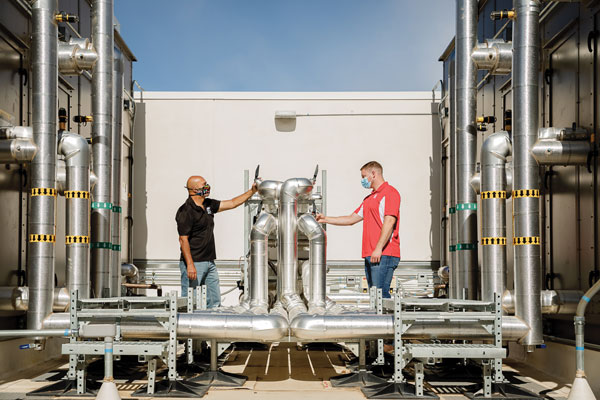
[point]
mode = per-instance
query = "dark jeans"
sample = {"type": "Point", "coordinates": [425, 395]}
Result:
{"type": "Point", "coordinates": [380, 274]}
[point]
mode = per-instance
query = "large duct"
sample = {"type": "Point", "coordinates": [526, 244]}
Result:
{"type": "Point", "coordinates": [318, 261]}
{"type": "Point", "coordinates": [287, 251]}
{"type": "Point", "coordinates": [42, 201]}
{"type": "Point", "coordinates": [259, 261]}
{"type": "Point", "coordinates": [273, 327]}
{"type": "Point", "coordinates": [75, 150]}
{"type": "Point", "coordinates": [495, 150]}
{"type": "Point", "coordinates": [466, 138]}
{"type": "Point", "coordinates": [102, 91]}
{"type": "Point", "coordinates": [557, 146]}
{"type": "Point", "coordinates": [526, 229]}
{"type": "Point", "coordinates": [453, 292]}
{"type": "Point", "coordinates": [117, 155]}
{"type": "Point", "coordinates": [17, 299]}
{"type": "Point", "coordinates": [17, 151]}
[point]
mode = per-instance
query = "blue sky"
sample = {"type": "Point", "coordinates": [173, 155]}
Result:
{"type": "Point", "coordinates": [285, 45]}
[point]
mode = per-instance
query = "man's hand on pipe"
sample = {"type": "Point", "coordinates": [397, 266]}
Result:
{"type": "Point", "coordinates": [321, 218]}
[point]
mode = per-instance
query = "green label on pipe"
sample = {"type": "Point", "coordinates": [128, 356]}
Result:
{"type": "Point", "coordinates": [452, 210]}
{"type": "Point", "coordinates": [116, 247]}
{"type": "Point", "coordinates": [466, 206]}
{"type": "Point", "coordinates": [101, 205]}
{"type": "Point", "coordinates": [117, 209]}
{"type": "Point", "coordinates": [466, 246]}
{"type": "Point", "coordinates": [452, 248]}
{"type": "Point", "coordinates": [101, 245]}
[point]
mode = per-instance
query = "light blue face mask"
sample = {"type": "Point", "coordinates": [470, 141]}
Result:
{"type": "Point", "coordinates": [365, 183]}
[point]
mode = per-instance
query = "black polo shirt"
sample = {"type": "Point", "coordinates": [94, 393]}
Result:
{"type": "Point", "coordinates": [197, 223]}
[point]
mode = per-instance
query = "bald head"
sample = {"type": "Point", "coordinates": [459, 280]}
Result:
{"type": "Point", "coordinates": [194, 184]}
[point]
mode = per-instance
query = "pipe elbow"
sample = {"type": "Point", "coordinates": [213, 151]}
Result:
{"type": "Point", "coordinates": [265, 224]}
{"type": "Point", "coordinates": [75, 149]}
{"type": "Point", "coordinates": [311, 228]}
{"type": "Point", "coordinates": [130, 271]}
{"type": "Point", "coordinates": [295, 188]}
{"type": "Point", "coordinates": [496, 148]}
{"type": "Point", "coordinates": [269, 190]}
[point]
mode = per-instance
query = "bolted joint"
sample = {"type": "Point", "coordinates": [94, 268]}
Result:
{"type": "Point", "coordinates": [502, 14]}
{"type": "Point", "coordinates": [83, 119]}
{"type": "Point", "coordinates": [65, 17]}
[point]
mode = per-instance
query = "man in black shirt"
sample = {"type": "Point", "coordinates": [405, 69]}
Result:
{"type": "Point", "coordinates": [195, 224]}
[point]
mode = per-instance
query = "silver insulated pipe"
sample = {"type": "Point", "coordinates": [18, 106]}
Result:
{"type": "Point", "coordinates": [102, 90]}
{"type": "Point", "coordinates": [117, 155]}
{"type": "Point", "coordinates": [318, 261]}
{"type": "Point", "coordinates": [75, 150]}
{"type": "Point", "coordinates": [259, 262]}
{"type": "Point", "coordinates": [526, 229]}
{"type": "Point", "coordinates": [453, 292]}
{"type": "Point", "coordinates": [287, 251]}
{"type": "Point", "coordinates": [42, 202]}
{"type": "Point", "coordinates": [466, 144]}
{"type": "Point", "coordinates": [495, 150]}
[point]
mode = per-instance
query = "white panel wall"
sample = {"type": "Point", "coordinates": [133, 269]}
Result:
{"type": "Point", "coordinates": [218, 135]}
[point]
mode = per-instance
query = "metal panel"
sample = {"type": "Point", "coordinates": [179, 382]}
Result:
{"type": "Point", "coordinates": [564, 210]}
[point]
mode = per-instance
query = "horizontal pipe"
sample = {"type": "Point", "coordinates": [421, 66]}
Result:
{"type": "Point", "coordinates": [17, 299]}
{"type": "Point", "coordinates": [376, 326]}
{"type": "Point", "coordinates": [494, 55]}
{"type": "Point", "coordinates": [557, 152]}
{"type": "Point", "coordinates": [553, 301]}
{"type": "Point", "coordinates": [274, 327]}
{"type": "Point", "coordinates": [17, 151]}
{"type": "Point", "coordinates": [16, 333]}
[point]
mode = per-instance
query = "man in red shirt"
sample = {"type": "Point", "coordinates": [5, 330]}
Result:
{"type": "Point", "coordinates": [380, 213]}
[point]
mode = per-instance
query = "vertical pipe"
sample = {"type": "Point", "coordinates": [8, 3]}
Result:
{"type": "Point", "coordinates": [287, 251]}
{"type": "Point", "coordinates": [258, 284]}
{"type": "Point", "coordinates": [102, 82]}
{"type": "Point", "coordinates": [495, 150]}
{"type": "Point", "coordinates": [453, 278]}
{"type": "Point", "coordinates": [318, 260]}
{"type": "Point", "coordinates": [466, 135]}
{"type": "Point", "coordinates": [76, 152]}
{"type": "Point", "coordinates": [526, 230]}
{"type": "Point", "coordinates": [117, 156]}
{"type": "Point", "coordinates": [42, 202]}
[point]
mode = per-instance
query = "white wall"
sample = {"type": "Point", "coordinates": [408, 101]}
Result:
{"type": "Point", "coordinates": [218, 135]}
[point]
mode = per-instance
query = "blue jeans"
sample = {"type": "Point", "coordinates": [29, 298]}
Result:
{"type": "Point", "coordinates": [206, 274]}
{"type": "Point", "coordinates": [380, 274]}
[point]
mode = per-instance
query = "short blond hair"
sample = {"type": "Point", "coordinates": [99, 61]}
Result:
{"type": "Point", "coordinates": [372, 165]}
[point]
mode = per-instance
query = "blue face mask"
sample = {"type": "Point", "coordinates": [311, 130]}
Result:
{"type": "Point", "coordinates": [365, 183]}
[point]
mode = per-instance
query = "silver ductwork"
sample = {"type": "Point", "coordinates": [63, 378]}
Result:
{"type": "Point", "coordinates": [76, 153]}
{"type": "Point", "coordinates": [17, 299]}
{"type": "Point", "coordinates": [494, 55]}
{"type": "Point", "coordinates": [259, 261]}
{"type": "Point", "coordinates": [453, 283]}
{"type": "Point", "coordinates": [117, 155]}
{"type": "Point", "coordinates": [75, 56]}
{"type": "Point", "coordinates": [552, 301]}
{"type": "Point", "coordinates": [526, 208]}
{"type": "Point", "coordinates": [17, 151]}
{"type": "Point", "coordinates": [466, 147]}
{"type": "Point", "coordinates": [102, 92]}
{"type": "Point", "coordinates": [318, 262]}
{"type": "Point", "coordinates": [562, 146]}
{"type": "Point", "coordinates": [494, 152]}
{"type": "Point", "coordinates": [287, 251]}
{"type": "Point", "coordinates": [130, 272]}
{"type": "Point", "coordinates": [42, 201]}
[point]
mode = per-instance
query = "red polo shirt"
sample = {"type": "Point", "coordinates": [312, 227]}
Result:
{"type": "Point", "coordinates": [381, 202]}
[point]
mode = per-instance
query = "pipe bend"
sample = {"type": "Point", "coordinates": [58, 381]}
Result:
{"type": "Point", "coordinates": [496, 148]}
{"type": "Point", "coordinates": [269, 190]}
{"type": "Point", "coordinates": [130, 271]}
{"type": "Point", "coordinates": [264, 225]}
{"type": "Point", "coordinates": [311, 228]}
{"type": "Point", "coordinates": [295, 188]}
{"type": "Point", "coordinates": [75, 149]}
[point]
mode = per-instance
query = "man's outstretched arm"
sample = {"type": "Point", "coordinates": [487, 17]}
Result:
{"type": "Point", "coordinates": [341, 221]}
{"type": "Point", "coordinates": [239, 200]}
